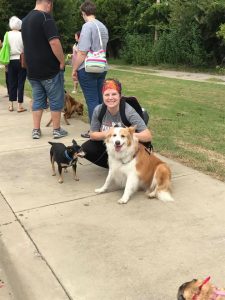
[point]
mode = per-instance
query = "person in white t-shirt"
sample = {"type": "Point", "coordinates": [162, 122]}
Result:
{"type": "Point", "coordinates": [16, 74]}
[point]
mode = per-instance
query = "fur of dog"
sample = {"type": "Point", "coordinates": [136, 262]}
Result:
{"type": "Point", "coordinates": [70, 107]}
{"type": "Point", "coordinates": [132, 166]}
{"type": "Point", "coordinates": [200, 290]}
{"type": "Point", "coordinates": [64, 157]}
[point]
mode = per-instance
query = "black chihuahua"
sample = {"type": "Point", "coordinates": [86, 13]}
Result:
{"type": "Point", "coordinates": [65, 157]}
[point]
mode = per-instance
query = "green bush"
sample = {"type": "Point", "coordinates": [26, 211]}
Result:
{"type": "Point", "coordinates": [179, 47]}
{"type": "Point", "coordinates": [137, 49]}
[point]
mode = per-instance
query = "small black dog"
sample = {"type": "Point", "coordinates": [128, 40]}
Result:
{"type": "Point", "coordinates": [65, 157]}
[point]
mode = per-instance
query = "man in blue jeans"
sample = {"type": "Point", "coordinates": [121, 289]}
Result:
{"type": "Point", "coordinates": [91, 83]}
{"type": "Point", "coordinates": [45, 65]}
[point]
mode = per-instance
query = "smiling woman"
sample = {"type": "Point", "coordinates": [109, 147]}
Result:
{"type": "Point", "coordinates": [95, 148]}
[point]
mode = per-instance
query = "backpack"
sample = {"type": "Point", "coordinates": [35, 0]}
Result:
{"type": "Point", "coordinates": [132, 101]}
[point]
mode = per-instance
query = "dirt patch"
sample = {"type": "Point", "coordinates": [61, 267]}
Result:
{"type": "Point", "coordinates": [201, 77]}
{"type": "Point", "coordinates": [211, 155]}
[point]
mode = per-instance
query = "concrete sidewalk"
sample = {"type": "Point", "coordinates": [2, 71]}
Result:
{"type": "Point", "coordinates": [61, 241]}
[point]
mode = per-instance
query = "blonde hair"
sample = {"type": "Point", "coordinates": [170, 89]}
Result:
{"type": "Point", "coordinates": [15, 23]}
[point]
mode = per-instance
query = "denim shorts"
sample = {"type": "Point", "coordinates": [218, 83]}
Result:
{"type": "Point", "coordinates": [48, 91]}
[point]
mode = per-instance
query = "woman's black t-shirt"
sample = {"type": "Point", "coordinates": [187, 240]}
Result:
{"type": "Point", "coordinates": [38, 28]}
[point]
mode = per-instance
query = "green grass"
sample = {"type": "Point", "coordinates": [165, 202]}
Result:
{"type": "Point", "coordinates": [187, 118]}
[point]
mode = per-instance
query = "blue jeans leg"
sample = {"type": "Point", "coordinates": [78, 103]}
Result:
{"type": "Point", "coordinates": [91, 84]}
{"type": "Point", "coordinates": [53, 89]}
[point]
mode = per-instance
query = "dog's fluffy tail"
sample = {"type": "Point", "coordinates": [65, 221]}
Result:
{"type": "Point", "coordinates": [163, 179]}
{"type": "Point", "coordinates": [164, 196]}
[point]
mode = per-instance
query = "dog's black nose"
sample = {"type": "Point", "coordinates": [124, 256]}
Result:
{"type": "Point", "coordinates": [117, 143]}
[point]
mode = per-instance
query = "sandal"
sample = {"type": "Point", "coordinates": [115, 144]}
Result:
{"type": "Point", "coordinates": [10, 108]}
{"type": "Point", "coordinates": [21, 110]}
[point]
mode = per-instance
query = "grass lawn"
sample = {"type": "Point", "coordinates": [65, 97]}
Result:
{"type": "Point", "coordinates": [187, 118]}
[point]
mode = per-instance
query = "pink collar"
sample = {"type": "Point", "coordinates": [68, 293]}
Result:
{"type": "Point", "coordinates": [217, 293]}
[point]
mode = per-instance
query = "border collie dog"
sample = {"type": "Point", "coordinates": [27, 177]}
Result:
{"type": "Point", "coordinates": [132, 166]}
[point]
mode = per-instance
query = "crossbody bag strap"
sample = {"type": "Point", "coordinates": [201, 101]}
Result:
{"type": "Point", "coordinates": [6, 38]}
{"type": "Point", "coordinates": [100, 38]}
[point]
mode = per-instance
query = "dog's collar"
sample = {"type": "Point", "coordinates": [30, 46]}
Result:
{"type": "Point", "coordinates": [217, 293]}
{"type": "Point", "coordinates": [67, 155]}
{"type": "Point", "coordinates": [70, 159]}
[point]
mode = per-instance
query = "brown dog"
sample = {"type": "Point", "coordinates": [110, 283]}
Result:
{"type": "Point", "coordinates": [200, 290]}
{"type": "Point", "coordinates": [70, 106]}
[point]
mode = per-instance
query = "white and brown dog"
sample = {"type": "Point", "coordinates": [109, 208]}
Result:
{"type": "Point", "coordinates": [132, 166]}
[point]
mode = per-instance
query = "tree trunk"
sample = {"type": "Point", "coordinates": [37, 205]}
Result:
{"type": "Point", "coordinates": [156, 31]}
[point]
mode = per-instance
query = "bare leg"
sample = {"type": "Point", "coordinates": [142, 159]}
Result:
{"type": "Point", "coordinates": [56, 116]}
{"type": "Point", "coordinates": [10, 105]}
{"type": "Point", "coordinates": [37, 114]}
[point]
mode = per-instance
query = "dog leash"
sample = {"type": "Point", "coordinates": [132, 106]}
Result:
{"type": "Point", "coordinates": [195, 296]}
{"type": "Point", "coordinates": [88, 164]}
{"type": "Point", "coordinates": [148, 150]}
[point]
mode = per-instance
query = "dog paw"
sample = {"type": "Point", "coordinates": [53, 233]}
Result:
{"type": "Point", "coordinates": [122, 201]}
{"type": "Point", "coordinates": [99, 191]}
{"type": "Point", "coordinates": [60, 181]}
{"type": "Point", "coordinates": [76, 178]}
{"type": "Point", "coordinates": [151, 195]}
{"type": "Point", "coordinates": [54, 174]}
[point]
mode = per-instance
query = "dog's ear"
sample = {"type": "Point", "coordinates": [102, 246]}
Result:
{"type": "Point", "coordinates": [181, 292]}
{"type": "Point", "coordinates": [132, 129]}
{"type": "Point", "coordinates": [182, 288]}
{"type": "Point", "coordinates": [74, 142]}
{"type": "Point", "coordinates": [109, 134]}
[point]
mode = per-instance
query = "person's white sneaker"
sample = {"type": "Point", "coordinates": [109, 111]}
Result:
{"type": "Point", "coordinates": [59, 133]}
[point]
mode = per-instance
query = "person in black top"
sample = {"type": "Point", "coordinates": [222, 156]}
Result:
{"type": "Point", "coordinates": [45, 65]}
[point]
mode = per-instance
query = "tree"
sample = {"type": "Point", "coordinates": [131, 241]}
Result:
{"type": "Point", "coordinates": [4, 13]}
{"type": "Point", "coordinates": [147, 15]}
{"type": "Point", "coordinates": [64, 16]}
{"type": "Point", "coordinates": [115, 21]}
{"type": "Point", "coordinates": [207, 15]}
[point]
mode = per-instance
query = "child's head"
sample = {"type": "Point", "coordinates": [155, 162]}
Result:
{"type": "Point", "coordinates": [77, 36]}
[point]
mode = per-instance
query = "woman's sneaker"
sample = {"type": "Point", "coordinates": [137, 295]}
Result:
{"type": "Point", "coordinates": [36, 134]}
{"type": "Point", "coordinates": [59, 133]}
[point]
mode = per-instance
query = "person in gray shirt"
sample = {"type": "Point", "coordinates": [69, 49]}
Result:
{"type": "Point", "coordinates": [95, 148]}
{"type": "Point", "coordinates": [91, 83]}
